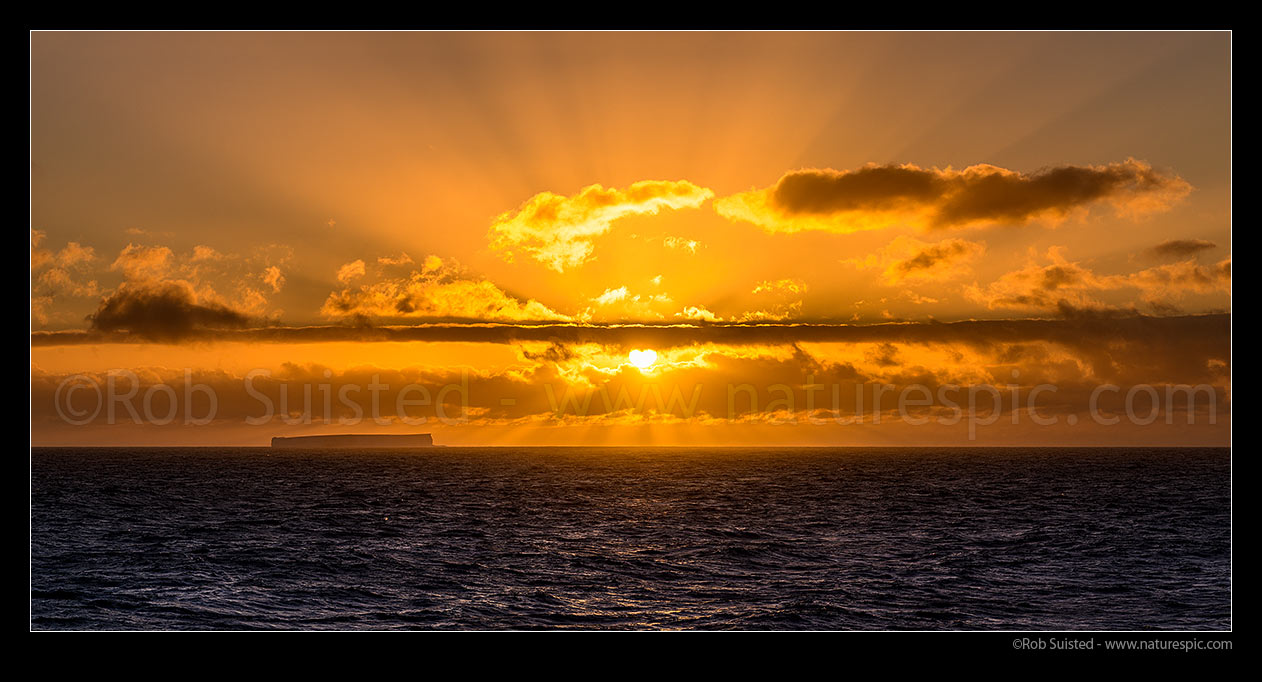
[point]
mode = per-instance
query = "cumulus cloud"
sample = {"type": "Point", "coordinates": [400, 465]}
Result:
{"type": "Point", "coordinates": [440, 290]}
{"type": "Point", "coordinates": [40, 305]}
{"type": "Point", "coordinates": [138, 232]}
{"type": "Point", "coordinates": [143, 262]}
{"type": "Point", "coordinates": [689, 245]}
{"type": "Point", "coordinates": [1071, 288]}
{"type": "Point", "coordinates": [621, 305]}
{"type": "Point", "coordinates": [1173, 280]}
{"type": "Point", "coordinates": [56, 274]}
{"type": "Point", "coordinates": [776, 313]}
{"type": "Point", "coordinates": [559, 231]}
{"type": "Point", "coordinates": [202, 252]}
{"type": "Point", "coordinates": [781, 286]}
{"type": "Point", "coordinates": [699, 313]}
{"type": "Point", "coordinates": [611, 296]}
{"type": "Point", "coordinates": [1059, 285]}
{"type": "Point", "coordinates": [401, 259]}
{"type": "Point", "coordinates": [75, 270]}
{"type": "Point", "coordinates": [350, 271]}
{"type": "Point", "coordinates": [38, 256]}
{"type": "Point", "coordinates": [785, 300]}
{"type": "Point", "coordinates": [907, 259]}
{"type": "Point", "coordinates": [73, 256]}
{"type": "Point", "coordinates": [272, 276]}
{"type": "Point", "coordinates": [170, 296]}
{"type": "Point", "coordinates": [167, 310]}
{"type": "Point", "coordinates": [432, 263]}
{"type": "Point", "coordinates": [874, 196]}
{"type": "Point", "coordinates": [60, 281]}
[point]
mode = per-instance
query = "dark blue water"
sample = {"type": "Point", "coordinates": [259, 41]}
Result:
{"type": "Point", "coordinates": [631, 538]}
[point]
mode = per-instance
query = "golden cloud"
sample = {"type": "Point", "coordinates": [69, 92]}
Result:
{"type": "Point", "coordinates": [786, 303]}
{"type": "Point", "coordinates": [689, 245]}
{"type": "Point", "coordinates": [1173, 280]}
{"type": "Point", "coordinates": [698, 313]}
{"type": "Point", "coordinates": [1069, 287]}
{"type": "Point", "coordinates": [781, 286]}
{"type": "Point", "coordinates": [273, 277]}
{"type": "Point", "coordinates": [350, 271]}
{"type": "Point", "coordinates": [60, 272]}
{"type": "Point", "coordinates": [143, 262]}
{"type": "Point", "coordinates": [440, 290]}
{"type": "Point", "coordinates": [202, 252]}
{"type": "Point", "coordinates": [60, 281]}
{"type": "Point", "coordinates": [401, 259]}
{"type": "Point", "coordinates": [558, 231]}
{"type": "Point", "coordinates": [611, 296]}
{"type": "Point", "coordinates": [621, 305]}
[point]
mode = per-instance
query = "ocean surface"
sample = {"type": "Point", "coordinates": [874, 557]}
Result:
{"type": "Point", "coordinates": [643, 538]}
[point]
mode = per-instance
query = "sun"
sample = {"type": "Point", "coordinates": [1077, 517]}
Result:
{"type": "Point", "coordinates": [643, 358]}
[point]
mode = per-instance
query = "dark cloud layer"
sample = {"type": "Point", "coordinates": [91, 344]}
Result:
{"type": "Point", "coordinates": [163, 311]}
{"type": "Point", "coordinates": [873, 187]}
{"type": "Point", "coordinates": [938, 198]}
{"type": "Point", "coordinates": [1018, 197]}
{"type": "Point", "coordinates": [1181, 248]}
{"type": "Point", "coordinates": [1211, 329]}
{"type": "Point", "coordinates": [551, 389]}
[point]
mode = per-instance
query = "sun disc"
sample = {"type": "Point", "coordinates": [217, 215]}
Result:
{"type": "Point", "coordinates": [643, 358]}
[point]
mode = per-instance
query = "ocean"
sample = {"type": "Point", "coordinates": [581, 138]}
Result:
{"type": "Point", "coordinates": [631, 538]}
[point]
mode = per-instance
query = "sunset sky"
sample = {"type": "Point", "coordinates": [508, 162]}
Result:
{"type": "Point", "coordinates": [510, 215]}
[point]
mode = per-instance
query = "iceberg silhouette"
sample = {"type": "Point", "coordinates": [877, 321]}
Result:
{"type": "Point", "coordinates": [342, 441]}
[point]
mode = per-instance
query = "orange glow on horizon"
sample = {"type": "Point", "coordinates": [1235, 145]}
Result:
{"type": "Point", "coordinates": [938, 191]}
